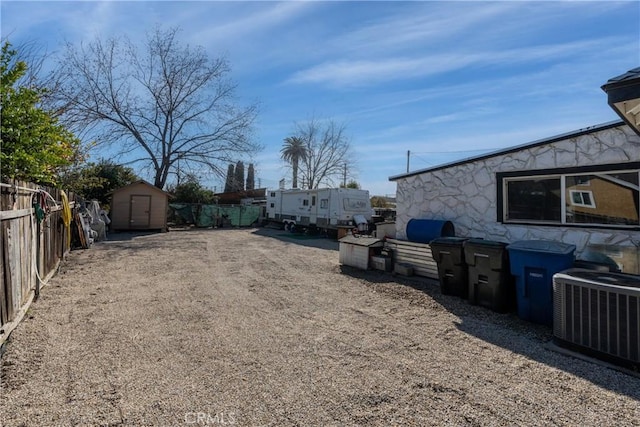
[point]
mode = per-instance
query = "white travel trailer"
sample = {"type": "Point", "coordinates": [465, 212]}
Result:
{"type": "Point", "coordinates": [324, 208]}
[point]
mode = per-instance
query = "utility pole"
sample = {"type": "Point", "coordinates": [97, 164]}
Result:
{"type": "Point", "coordinates": [344, 177]}
{"type": "Point", "coordinates": [178, 170]}
{"type": "Point", "coordinates": [408, 155]}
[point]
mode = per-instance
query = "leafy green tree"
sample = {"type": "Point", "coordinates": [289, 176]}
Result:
{"type": "Point", "coordinates": [294, 150]}
{"type": "Point", "coordinates": [35, 147]}
{"type": "Point", "coordinates": [379, 202]}
{"type": "Point", "coordinates": [94, 181]}
{"type": "Point", "coordinates": [192, 191]}
{"type": "Point", "coordinates": [251, 178]}
{"type": "Point", "coordinates": [351, 184]}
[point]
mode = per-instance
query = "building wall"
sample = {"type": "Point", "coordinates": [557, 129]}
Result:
{"type": "Point", "coordinates": [466, 193]}
{"type": "Point", "coordinates": [120, 206]}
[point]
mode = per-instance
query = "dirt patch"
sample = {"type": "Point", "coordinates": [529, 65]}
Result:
{"type": "Point", "coordinates": [250, 327]}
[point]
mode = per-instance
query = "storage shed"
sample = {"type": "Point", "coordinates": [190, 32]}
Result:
{"type": "Point", "coordinates": [139, 206]}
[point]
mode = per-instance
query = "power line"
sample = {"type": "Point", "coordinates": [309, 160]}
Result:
{"type": "Point", "coordinates": [454, 151]}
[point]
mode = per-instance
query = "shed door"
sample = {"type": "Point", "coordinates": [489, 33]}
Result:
{"type": "Point", "coordinates": [140, 214]}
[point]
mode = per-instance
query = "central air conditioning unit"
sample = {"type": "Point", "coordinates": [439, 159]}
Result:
{"type": "Point", "coordinates": [598, 314]}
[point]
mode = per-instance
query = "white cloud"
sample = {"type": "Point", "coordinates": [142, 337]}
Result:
{"type": "Point", "coordinates": [241, 22]}
{"type": "Point", "coordinates": [427, 23]}
{"type": "Point", "coordinates": [340, 73]}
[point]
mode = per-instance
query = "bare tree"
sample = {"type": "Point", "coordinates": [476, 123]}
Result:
{"type": "Point", "coordinates": [34, 56]}
{"type": "Point", "coordinates": [328, 153]}
{"type": "Point", "coordinates": [163, 103]}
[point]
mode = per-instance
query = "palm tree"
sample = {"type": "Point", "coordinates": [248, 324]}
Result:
{"type": "Point", "coordinates": [294, 150]}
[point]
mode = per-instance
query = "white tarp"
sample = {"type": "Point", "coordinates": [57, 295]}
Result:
{"type": "Point", "coordinates": [99, 219]}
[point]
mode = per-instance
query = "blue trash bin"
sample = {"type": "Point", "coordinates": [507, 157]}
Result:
{"type": "Point", "coordinates": [533, 264]}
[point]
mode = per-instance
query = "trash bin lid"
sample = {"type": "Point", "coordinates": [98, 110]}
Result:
{"type": "Point", "coordinates": [448, 241]}
{"type": "Point", "coordinates": [485, 243]}
{"type": "Point", "coordinates": [544, 246]}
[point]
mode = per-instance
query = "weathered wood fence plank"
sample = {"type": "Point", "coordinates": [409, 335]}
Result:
{"type": "Point", "coordinates": [5, 290]}
{"type": "Point", "coordinates": [31, 250]}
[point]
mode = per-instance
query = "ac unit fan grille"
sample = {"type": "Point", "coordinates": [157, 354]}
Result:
{"type": "Point", "coordinates": [600, 320]}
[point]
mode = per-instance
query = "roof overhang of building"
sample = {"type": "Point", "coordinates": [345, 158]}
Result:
{"type": "Point", "coordinates": [624, 97]}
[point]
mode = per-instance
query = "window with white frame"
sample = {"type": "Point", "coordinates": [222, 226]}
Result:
{"type": "Point", "coordinates": [599, 196]}
{"type": "Point", "coordinates": [582, 198]}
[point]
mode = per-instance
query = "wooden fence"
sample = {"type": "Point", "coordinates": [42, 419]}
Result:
{"type": "Point", "coordinates": [33, 242]}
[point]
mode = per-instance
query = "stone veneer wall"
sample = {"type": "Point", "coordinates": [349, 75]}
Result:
{"type": "Point", "coordinates": [466, 194]}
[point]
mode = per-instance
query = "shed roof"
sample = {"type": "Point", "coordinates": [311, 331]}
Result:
{"type": "Point", "coordinates": [513, 149]}
{"type": "Point", "coordinates": [362, 241]}
{"type": "Point", "coordinates": [140, 181]}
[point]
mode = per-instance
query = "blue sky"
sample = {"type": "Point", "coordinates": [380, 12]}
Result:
{"type": "Point", "coordinates": [446, 80]}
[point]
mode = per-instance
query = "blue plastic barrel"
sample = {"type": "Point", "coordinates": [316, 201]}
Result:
{"type": "Point", "coordinates": [425, 230]}
{"type": "Point", "coordinates": [533, 264]}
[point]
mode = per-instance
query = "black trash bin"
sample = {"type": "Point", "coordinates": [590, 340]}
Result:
{"type": "Point", "coordinates": [448, 252]}
{"type": "Point", "coordinates": [490, 282]}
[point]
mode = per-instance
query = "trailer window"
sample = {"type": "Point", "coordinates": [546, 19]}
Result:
{"type": "Point", "coordinates": [354, 204]}
{"type": "Point", "coordinates": [305, 202]}
{"type": "Point", "coordinates": [313, 200]}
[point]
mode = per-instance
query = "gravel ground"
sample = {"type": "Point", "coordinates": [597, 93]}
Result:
{"type": "Point", "coordinates": [248, 327]}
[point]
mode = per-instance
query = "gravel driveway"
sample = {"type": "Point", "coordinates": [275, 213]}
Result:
{"type": "Point", "coordinates": [249, 327]}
